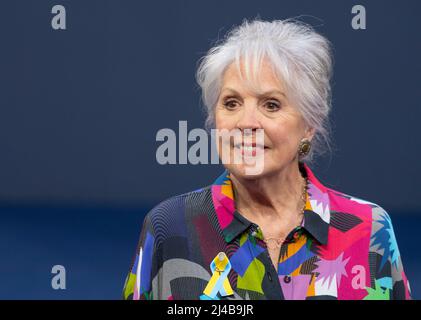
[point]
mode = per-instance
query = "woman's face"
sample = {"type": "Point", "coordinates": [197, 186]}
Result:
{"type": "Point", "coordinates": [242, 109]}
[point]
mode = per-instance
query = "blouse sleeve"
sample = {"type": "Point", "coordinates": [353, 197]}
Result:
{"type": "Point", "coordinates": [390, 279]}
{"type": "Point", "coordinates": [138, 283]}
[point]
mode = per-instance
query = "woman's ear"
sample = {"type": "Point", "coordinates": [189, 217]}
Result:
{"type": "Point", "coordinates": [309, 134]}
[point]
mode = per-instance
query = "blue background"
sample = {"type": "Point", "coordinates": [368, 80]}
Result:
{"type": "Point", "coordinates": [80, 108]}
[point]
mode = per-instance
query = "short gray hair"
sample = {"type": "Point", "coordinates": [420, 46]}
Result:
{"type": "Point", "coordinates": [299, 56]}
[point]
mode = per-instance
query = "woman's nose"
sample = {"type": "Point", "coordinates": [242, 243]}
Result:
{"type": "Point", "coordinates": [248, 118]}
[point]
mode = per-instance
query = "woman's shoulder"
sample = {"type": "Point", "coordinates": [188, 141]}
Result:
{"type": "Point", "coordinates": [347, 203]}
{"type": "Point", "coordinates": [178, 207]}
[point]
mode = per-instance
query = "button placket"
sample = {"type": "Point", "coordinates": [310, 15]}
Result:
{"type": "Point", "coordinates": [271, 273]}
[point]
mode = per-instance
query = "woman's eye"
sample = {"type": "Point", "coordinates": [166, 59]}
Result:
{"type": "Point", "coordinates": [272, 106]}
{"type": "Point", "coordinates": [231, 104]}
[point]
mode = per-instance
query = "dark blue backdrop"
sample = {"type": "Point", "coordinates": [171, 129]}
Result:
{"type": "Point", "coordinates": [80, 108]}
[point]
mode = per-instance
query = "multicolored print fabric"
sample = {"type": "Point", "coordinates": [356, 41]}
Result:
{"type": "Point", "coordinates": [344, 249]}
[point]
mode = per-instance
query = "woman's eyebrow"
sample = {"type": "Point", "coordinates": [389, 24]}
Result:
{"type": "Point", "coordinates": [260, 95]}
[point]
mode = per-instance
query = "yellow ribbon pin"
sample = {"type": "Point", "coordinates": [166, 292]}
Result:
{"type": "Point", "coordinates": [220, 267]}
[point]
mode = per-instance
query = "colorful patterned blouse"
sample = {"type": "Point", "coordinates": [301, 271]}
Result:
{"type": "Point", "coordinates": [197, 246]}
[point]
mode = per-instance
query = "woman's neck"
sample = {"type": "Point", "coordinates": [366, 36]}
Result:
{"type": "Point", "coordinates": [276, 196]}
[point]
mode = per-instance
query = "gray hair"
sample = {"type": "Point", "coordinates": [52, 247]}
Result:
{"type": "Point", "coordinates": [298, 55]}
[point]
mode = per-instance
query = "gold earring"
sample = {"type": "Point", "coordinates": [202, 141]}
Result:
{"type": "Point", "coordinates": [304, 147]}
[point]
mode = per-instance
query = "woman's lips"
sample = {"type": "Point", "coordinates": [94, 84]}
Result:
{"type": "Point", "coordinates": [250, 149]}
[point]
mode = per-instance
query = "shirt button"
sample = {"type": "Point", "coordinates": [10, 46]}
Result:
{"type": "Point", "coordinates": [269, 276]}
{"type": "Point", "coordinates": [287, 279]}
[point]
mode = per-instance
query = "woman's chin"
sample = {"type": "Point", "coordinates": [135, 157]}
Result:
{"type": "Point", "coordinates": [247, 171]}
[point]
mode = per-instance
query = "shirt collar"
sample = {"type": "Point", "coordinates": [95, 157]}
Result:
{"type": "Point", "coordinates": [232, 223]}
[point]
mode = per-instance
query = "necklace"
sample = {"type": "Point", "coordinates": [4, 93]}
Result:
{"type": "Point", "coordinates": [276, 243]}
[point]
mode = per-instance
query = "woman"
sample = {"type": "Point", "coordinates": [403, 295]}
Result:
{"type": "Point", "coordinates": [280, 233]}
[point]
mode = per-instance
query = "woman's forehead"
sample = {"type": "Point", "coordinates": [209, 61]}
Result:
{"type": "Point", "coordinates": [260, 81]}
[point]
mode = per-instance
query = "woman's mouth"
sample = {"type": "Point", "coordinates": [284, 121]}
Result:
{"type": "Point", "coordinates": [251, 149]}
